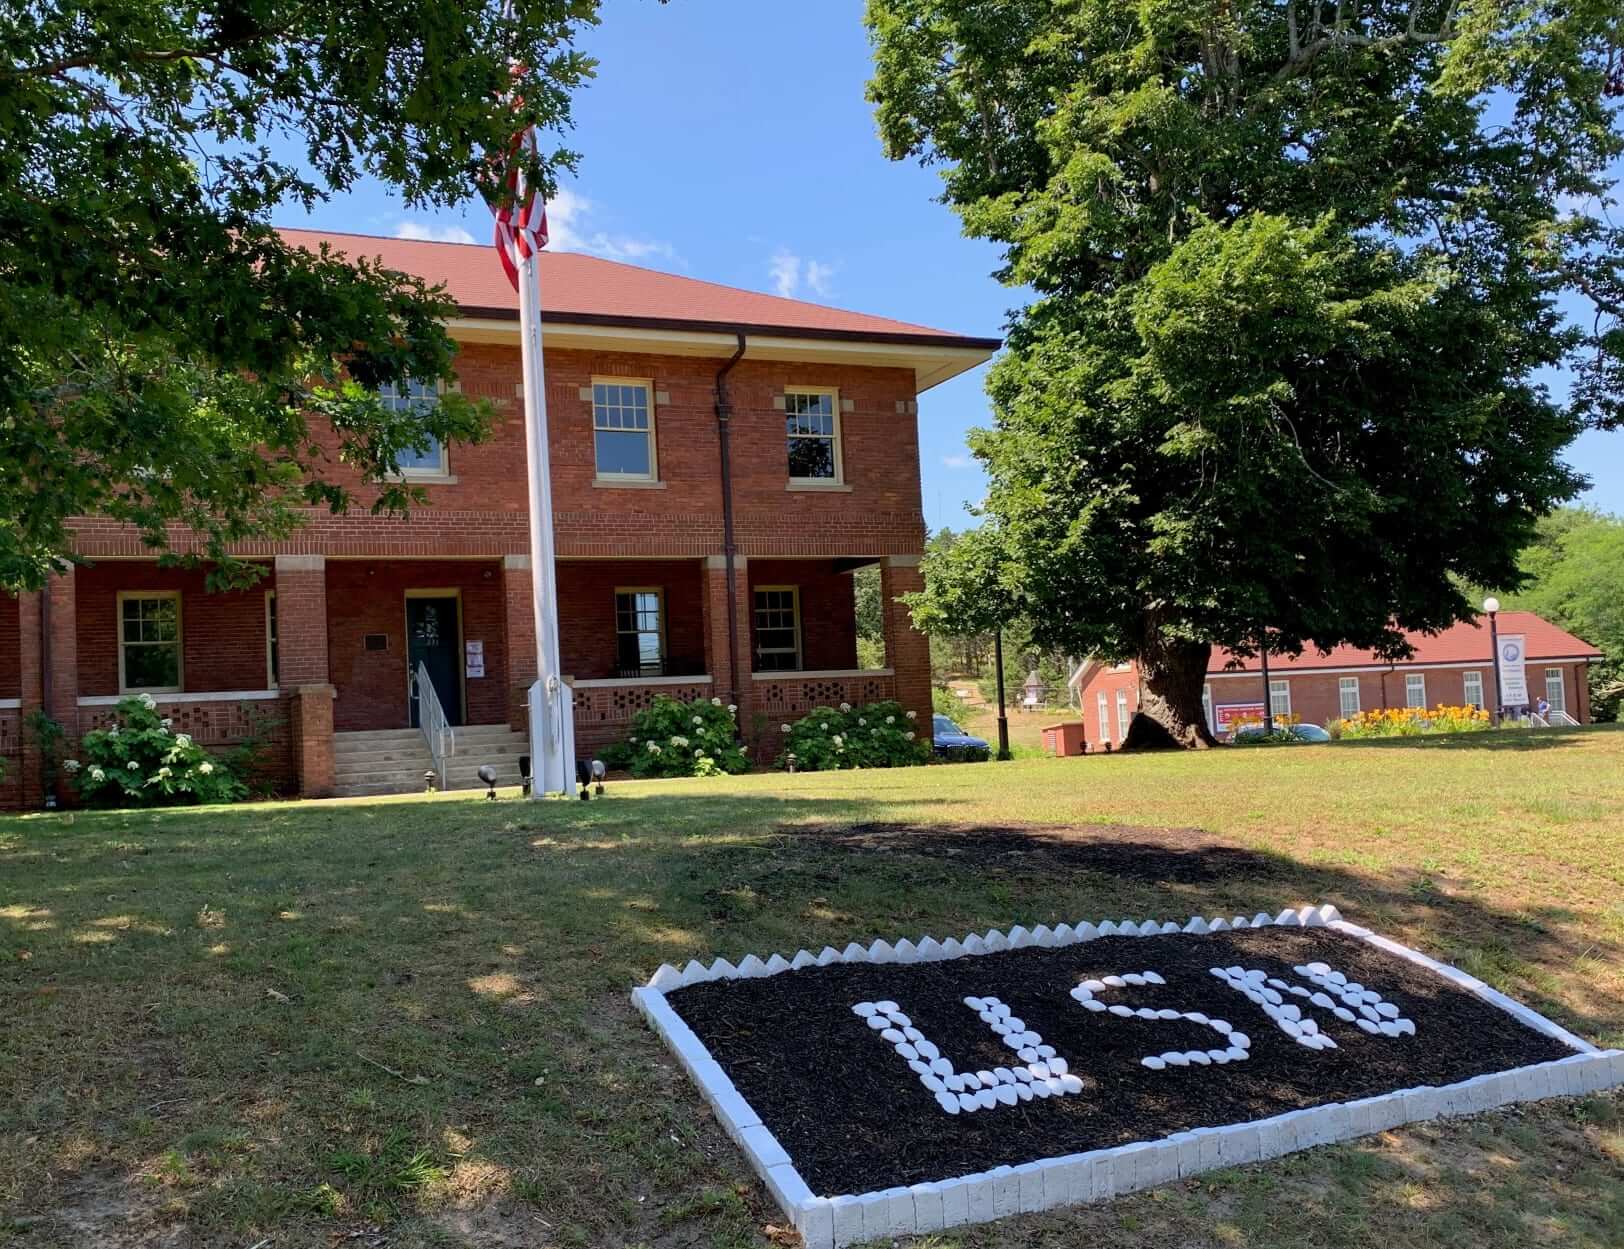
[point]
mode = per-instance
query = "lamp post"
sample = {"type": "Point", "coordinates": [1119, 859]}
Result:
{"type": "Point", "coordinates": [1492, 606]}
{"type": "Point", "coordinates": [1268, 698]}
{"type": "Point", "coordinates": [1003, 718]}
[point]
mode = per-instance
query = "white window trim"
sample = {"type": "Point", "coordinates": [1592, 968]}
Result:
{"type": "Point", "coordinates": [1104, 705]}
{"type": "Point", "coordinates": [442, 474]}
{"type": "Point", "coordinates": [1280, 687]}
{"type": "Point", "coordinates": [180, 642]}
{"type": "Point", "coordinates": [1122, 715]}
{"type": "Point", "coordinates": [659, 597]}
{"type": "Point", "coordinates": [1560, 702]}
{"type": "Point", "coordinates": [838, 481]}
{"type": "Point", "coordinates": [1465, 689]}
{"type": "Point", "coordinates": [1415, 680]}
{"type": "Point", "coordinates": [271, 681]}
{"type": "Point", "coordinates": [795, 598]}
{"type": "Point", "coordinates": [621, 479]}
{"type": "Point", "coordinates": [1345, 686]}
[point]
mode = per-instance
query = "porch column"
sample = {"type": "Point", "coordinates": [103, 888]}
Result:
{"type": "Point", "coordinates": [60, 684]}
{"type": "Point", "coordinates": [519, 632]}
{"type": "Point", "coordinates": [716, 638]}
{"type": "Point", "coordinates": [907, 650]}
{"type": "Point", "coordinates": [301, 624]}
{"type": "Point", "coordinates": [31, 791]}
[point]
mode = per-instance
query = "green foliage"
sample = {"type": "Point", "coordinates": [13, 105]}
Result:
{"type": "Point", "coordinates": [1294, 297]}
{"type": "Point", "coordinates": [138, 762]}
{"type": "Point", "coordinates": [944, 702]}
{"type": "Point", "coordinates": [1280, 737]}
{"type": "Point", "coordinates": [1575, 571]}
{"type": "Point", "coordinates": [165, 357]}
{"type": "Point", "coordinates": [671, 738]}
{"type": "Point", "coordinates": [878, 735]}
{"type": "Point", "coordinates": [48, 735]}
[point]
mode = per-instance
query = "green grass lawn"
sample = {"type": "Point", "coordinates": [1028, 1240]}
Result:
{"type": "Point", "coordinates": [408, 1019]}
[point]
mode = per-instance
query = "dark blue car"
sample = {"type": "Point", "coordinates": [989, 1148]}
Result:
{"type": "Point", "coordinates": [949, 739]}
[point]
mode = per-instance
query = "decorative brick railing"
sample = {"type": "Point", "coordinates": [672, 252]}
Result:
{"type": "Point", "coordinates": [790, 695]}
{"type": "Point", "coordinates": [11, 731]}
{"type": "Point", "coordinates": [209, 719]}
{"type": "Point", "coordinates": [617, 702]}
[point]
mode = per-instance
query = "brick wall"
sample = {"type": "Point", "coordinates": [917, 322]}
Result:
{"type": "Point", "coordinates": [586, 613]}
{"type": "Point", "coordinates": [222, 634]}
{"type": "Point", "coordinates": [369, 597]}
{"type": "Point", "coordinates": [1108, 681]}
{"type": "Point", "coordinates": [828, 610]}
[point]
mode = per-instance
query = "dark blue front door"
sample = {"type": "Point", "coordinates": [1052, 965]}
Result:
{"type": "Point", "coordinates": [434, 639]}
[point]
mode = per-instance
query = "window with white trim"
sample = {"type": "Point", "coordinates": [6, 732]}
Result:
{"type": "Point", "coordinates": [639, 633]}
{"type": "Point", "coordinates": [1472, 689]}
{"type": "Point", "coordinates": [1122, 715]}
{"type": "Point", "coordinates": [415, 396]}
{"type": "Point", "coordinates": [623, 429]}
{"type": "Point", "coordinates": [778, 628]}
{"type": "Point", "coordinates": [273, 660]}
{"type": "Point", "coordinates": [1104, 705]}
{"type": "Point", "coordinates": [1555, 689]}
{"type": "Point", "coordinates": [1347, 696]}
{"type": "Point", "coordinates": [1279, 698]}
{"type": "Point", "coordinates": [812, 435]}
{"type": "Point", "coordinates": [1415, 689]}
{"type": "Point", "coordinates": [149, 645]}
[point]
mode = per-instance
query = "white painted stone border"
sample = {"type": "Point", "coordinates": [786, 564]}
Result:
{"type": "Point", "coordinates": [1073, 1179]}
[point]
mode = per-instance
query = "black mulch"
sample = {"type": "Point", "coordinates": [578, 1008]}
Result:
{"type": "Point", "coordinates": [855, 1119]}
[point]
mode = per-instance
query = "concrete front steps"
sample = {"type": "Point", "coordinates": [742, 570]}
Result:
{"type": "Point", "coordinates": [392, 761]}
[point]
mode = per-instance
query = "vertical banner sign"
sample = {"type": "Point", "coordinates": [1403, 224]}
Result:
{"type": "Point", "coordinates": [1513, 672]}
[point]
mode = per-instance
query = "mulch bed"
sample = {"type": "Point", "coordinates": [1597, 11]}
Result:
{"type": "Point", "coordinates": [855, 1119]}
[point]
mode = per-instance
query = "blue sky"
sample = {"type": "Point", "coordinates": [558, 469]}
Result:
{"type": "Point", "coordinates": [730, 140]}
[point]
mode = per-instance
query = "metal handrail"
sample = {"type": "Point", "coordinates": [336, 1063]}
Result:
{"type": "Point", "coordinates": [1558, 717]}
{"type": "Point", "coordinates": [431, 720]}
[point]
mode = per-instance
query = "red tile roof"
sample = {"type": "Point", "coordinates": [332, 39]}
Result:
{"type": "Point", "coordinates": [1460, 643]}
{"type": "Point", "coordinates": [586, 289]}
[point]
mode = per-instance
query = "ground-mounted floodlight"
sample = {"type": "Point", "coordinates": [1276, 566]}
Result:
{"type": "Point", "coordinates": [524, 775]}
{"type": "Point", "coordinates": [598, 773]}
{"type": "Point", "coordinates": [428, 781]}
{"type": "Point", "coordinates": [488, 775]}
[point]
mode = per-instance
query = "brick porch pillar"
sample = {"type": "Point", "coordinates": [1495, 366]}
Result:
{"type": "Point", "coordinates": [721, 672]}
{"type": "Point", "coordinates": [519, 633]}
{"type": "Point", "coordinates": [907, 650]}
{"type": "Point", "coordinates": [31, 792]}
{"type": "Point", "coordinates": [301, 625]}
{"type": "Point", "coordinates": [61, 683]}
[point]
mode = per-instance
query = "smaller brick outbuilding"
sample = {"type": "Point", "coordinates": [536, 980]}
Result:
{"type": "Point", "coordinates": [1453, 668]}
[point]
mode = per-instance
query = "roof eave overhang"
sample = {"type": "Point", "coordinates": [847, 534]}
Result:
{"type": "Point", "coordinates": [934, 358]}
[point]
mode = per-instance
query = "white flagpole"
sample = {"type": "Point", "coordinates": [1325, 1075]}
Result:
{"type": "Point", "coordinates": [552, 712]}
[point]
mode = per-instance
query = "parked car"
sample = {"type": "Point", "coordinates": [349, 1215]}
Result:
{"type": "Point", "coordinates": [1302, 732]}
{"type": "Point", "coordinates": [950, 741]}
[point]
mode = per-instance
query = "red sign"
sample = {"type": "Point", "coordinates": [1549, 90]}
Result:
{"type": "Point", "coordinates": [1225, 714]}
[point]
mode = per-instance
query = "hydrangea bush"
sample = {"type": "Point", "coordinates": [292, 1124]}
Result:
{"type": "Point", "coordinates": [879, 735]}
{"type": "Point", "coordinates": [671, 738]}
{"type": "Point", "coordinates": [139, 762]}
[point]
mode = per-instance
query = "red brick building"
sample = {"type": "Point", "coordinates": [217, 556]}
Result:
{"type": "Point", "coordinates": [1453, 668]}
{"type": "Point", "coordinates": [825, 480]}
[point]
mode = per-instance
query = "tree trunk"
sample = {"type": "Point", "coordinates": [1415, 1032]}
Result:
{"type": "Point", "coordinates": [1170, 714]}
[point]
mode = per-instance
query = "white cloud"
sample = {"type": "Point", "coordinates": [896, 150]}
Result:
{"type": "Point", "coordinates": [570, 229]}
{"type": "Point", "coordinates": [428, 232]}
{"type": "Point", "coordinates": [790, 272]}
{"type": "Point", "coordinates": [957, 461]}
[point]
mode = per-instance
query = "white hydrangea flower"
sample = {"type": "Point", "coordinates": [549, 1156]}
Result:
{"type": "Point", "coordinates": [205, 768]}
{"type": "Point", "coordinates": [699, 719]}
{"type": "Point", "coordinates": [861, 722]}
{"type": "Point", "coordinates": [677, 739]}
{"type": "Point", "coordinates": [165, 723]}
{"type": "Point", "coordinates": [654, 748]}
{"type": "Point", "coordinates": [783, 728]}
{"type": "Point", "coordinates": [913, 715]}
{"type": "Point", "coordinates": [96, 774]}
{"type": "Point", "coordinates": [716, 702]}
{"type": "Point", "coordinates": [823, 726]}
{"type": "Point", "coordinates": [890, 719]}
{"type": "Point", "coordinates": [909, 736]}
{"type": "Point", "coordinates": [71, 765]}
{"type": "Point", "coordinates": [838, 740]}
{"type": "Point", "coordinates": [845, 706]}
{"type": "Point", "coordinates": [733, 709]}
{"type": "Point", "coordinates": [133, 766]}
{"type": "Point", "coordinates": [699, 754]}
{"type": "Point", "coordinates": [113, 731]}
{"type": "Point", "coordinates": [148, 701]}
{"type": "Point", "coordinates": [183, 739]}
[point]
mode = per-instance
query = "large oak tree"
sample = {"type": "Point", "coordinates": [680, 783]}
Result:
{"type": "Point", "coordinates": [165, 357]}
{"type": "Point", "coordinates": [1298, 275]}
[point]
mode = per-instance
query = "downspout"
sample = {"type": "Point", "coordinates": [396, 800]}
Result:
{"type": "Point", "coordinates": [47, 797]}
{"type": "Point", "coordinates": [724, 419]}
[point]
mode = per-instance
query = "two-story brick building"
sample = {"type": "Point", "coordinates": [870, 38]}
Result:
{"type": "Point", "coordinates": [1454, 667]}
{"type": "Point", "coordinates": [824, 480]}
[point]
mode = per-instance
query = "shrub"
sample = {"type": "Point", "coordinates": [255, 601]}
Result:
{"type": "Point", "coordinates": [880, 735]}
{"type": "Point", "coordinates": [138, 762]}
{"type": "Point", "coordinates": [671, 738]}
{"type": "Point", "coordinates": [944, 702]}
{"type": "Point", "coordinates": [1411, 722]}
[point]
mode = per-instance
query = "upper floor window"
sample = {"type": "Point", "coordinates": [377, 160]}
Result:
{"type": "Point", "coordinates": [778, 628]}
{"type": "Point", "coordinates": [149, 654]}
{"type": "Point", "coordinates": [812, 428]}
{"type": "Point", "coordinates": [639, 633]}
{"type": "Point", "coordinates": [1415, 689]}
{"type": "Point", "coordinates": [415, 396]}
{"type": "Point", "coordinates": [623, 430]}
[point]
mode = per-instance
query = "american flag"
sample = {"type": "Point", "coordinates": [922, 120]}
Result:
{"type": "Point", "coordinates": [521, 224]}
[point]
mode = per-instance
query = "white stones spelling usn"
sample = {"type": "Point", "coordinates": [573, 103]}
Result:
{"type": "Point", "coordinates": [1041, 1073]}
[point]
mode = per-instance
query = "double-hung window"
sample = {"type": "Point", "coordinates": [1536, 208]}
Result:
{"type": "Point", "coordinates": [1415, 689]}
{"type": "Point", "coordinates": [1347, 695]}
{"type": "Point", "coordinates": [149, 650]}
{"type": "Point", "coordinates": [623, 430]}
{"type": "Point", "coordinates": [1555, 691]}
{"type": "Point", "coordinates": [1279, 698]}
{"type": "Point", "coordinates": [812, 431]}
{"type": "Point", "coordinates": [1472, 689]}
{"type": "Point", "coordinates": [639, 634]}
{"type": "Point", "coordinates": [778, 628]}
{"type": "Point", "coordinates": [273, 661]}
{"type": "Point", "coordinates": [1122, 715]}
{"type": "Point", "coordinates": [415, 396]}
{"type": "Point", "coordinates": [1104, 706]}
